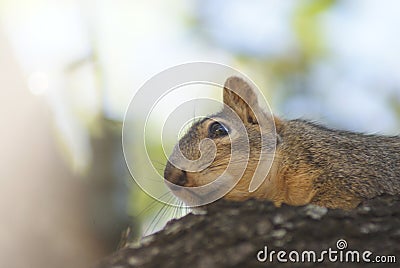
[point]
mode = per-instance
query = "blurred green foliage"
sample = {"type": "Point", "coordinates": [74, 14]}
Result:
{"type": "Point", "coordinates": [307, 28]}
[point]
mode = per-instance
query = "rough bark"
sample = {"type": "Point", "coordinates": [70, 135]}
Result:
{"type": "Point", "coordinates": [232, 233]}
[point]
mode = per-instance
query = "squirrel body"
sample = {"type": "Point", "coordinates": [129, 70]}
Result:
{"type": "Point", "coordinates": [311, 163]}
{"type": "Point", "coordinates": [338, 169]}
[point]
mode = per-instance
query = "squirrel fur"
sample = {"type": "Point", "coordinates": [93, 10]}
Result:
{"type": "Point", "coordinates": [312, 163]}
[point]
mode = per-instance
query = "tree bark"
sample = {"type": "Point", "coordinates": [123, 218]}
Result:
{"type": "Point", "coordinates": [231, 234]}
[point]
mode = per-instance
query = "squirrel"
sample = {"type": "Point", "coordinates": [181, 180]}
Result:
{"type": "Point", "coordinates": [312, 164]}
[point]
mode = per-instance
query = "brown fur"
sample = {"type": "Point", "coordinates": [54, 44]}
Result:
{"type": "Point", "coordinates": [312, 164]}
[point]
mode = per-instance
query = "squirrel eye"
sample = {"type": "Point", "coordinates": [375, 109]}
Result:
{"type": "Point", "coordinates": [217, 130]}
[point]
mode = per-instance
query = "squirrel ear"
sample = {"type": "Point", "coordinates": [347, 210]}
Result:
{"type": "Point", "coordinates": [243, 105]}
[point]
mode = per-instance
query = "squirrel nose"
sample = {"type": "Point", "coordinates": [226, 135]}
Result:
{"type": "Point", "coordinates": [175, 175]}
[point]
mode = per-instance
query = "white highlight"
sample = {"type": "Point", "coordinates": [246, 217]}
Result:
{"type": "Point", "coordinates": [38, 83]}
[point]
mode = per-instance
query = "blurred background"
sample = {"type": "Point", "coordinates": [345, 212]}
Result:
{"type": "Point", "coordinates": [69, 68]}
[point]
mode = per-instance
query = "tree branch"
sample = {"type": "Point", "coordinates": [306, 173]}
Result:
{"type": "Point", "coordinates": [232, 233]}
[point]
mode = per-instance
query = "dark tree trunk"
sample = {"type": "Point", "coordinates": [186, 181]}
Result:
{"type": "Point", "coordinates": [232, 233]}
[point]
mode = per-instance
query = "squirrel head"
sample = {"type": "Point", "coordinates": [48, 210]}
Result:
{"type": "Point", "coordinates": [228, 142]}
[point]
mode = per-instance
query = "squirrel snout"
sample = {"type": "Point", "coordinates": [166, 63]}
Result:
{"type": "Point", "coordinates": [175, 175]}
